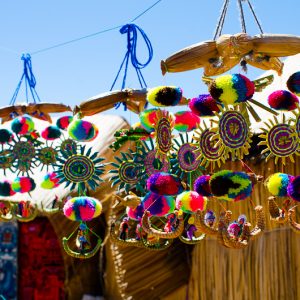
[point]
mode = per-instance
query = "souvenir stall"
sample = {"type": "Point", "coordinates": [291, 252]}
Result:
{"type": "Point", "coordinates": [196, 200]}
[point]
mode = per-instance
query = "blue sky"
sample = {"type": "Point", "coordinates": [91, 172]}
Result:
{"type": "Point", "coordinates": [77, 71]}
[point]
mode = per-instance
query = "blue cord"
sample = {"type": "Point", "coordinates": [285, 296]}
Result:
{"type": "Point", "coordinates": [30, 81]}
{"type": "Point", "coordinates": [132, 31]}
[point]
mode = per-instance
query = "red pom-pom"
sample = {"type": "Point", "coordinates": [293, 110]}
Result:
{"type": "Point", "coordinates": [283, 100]}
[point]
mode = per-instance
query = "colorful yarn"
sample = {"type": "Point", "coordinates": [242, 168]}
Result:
{"type": "Point", "coordinates": [209, 218]}
{"type": "Point", "coordinates": [242, 219]}
{"type": "Point", "coordinates": [232, 89]}
{"type": "Point", "coordinates": [64, 122]}
{"type": "Point", "coordinates": [234, 229]}
{"type": "Point", "coordinates": [230, 186]}
{"type": "Point", "coordinates": [204, 105]}
{"type": "Point", "coordinates": [293, 83]}
{"type": "Point", "coordinates": [22, 125]}
{"type": "Point", "coordinates": [164, 96]}
{"type": "Point", "coordinates": [6, 189]}
{"type": "Point", "coordinates": [82, 208]}
{"type": "Point", "coordinates": [164, 184]}
{"type": "Point", "coordinates": [82, 131]}
{"type": "Point", "coordinates": [23, 185]}
{"type": "Point", "coordinates": [51, 133]}
{"type": "Point", "coordinates": [148, 118]}
{"type": "Point", "coordinates": [202, 187]}
{"type": "Point", "coordinates": [50, 181]}
{"type": "Point", "coordinates": [293, 189]}
{"type": "Point", "coordinates": [190, 202]}
{"type": "Point", "coordinates": [186, 121]}
{"type": "Point", "coordinates": [283, 100]}
{"type": "Point", "coordinates": [136, 213]}
{"type": "Point", "coordinates": [158, 205]}
{"type": "Point", "coordinates": [277, 184]}
{"type": "Point", "coordinates": [6, 136]}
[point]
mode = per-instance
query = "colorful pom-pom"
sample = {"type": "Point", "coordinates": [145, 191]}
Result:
{"type": "Point", "coordinates": [283, 100]}
{"type": "Point", "coordinates": [136, 213]}
{"type": "Point", "coordinates": [6, 189]}
{"type": "Point", "coordinates": [148, 118]}
{"type": "Point", "coordinates": [230, 186]}
{"type": "Point", "coordinates": [202, 187]}
{"type": "Point", "coordinates": [22, 125]}
{"type": "Point", "coordinates": [158, 205]}
{"type": "Point", "coordinates": [293, 83]}
{"type": "Point", "coordinates": [51, 133]}
{"type": "Point", "coordinates": [203, 105]}
{"type": "Point", "coordinates": [232, 89]}
{"type": "Point", "coordinates": [234, 230]}
{"type": "Point", "coordinates": [164, 184]}
{"type": "Point", "coordinates": [293, 189]}
{"type": "Point", "coordinates": [5, 136]}
{"type": "Point", "coordinates": [82, 208]}
{"type": "Point", "coordinates": [277, 184]}
{"type": "Point", "coordinates": [63, 122]}
{"type": "Point", "coordinates": [50, 181]}
{"type": "Point", "coordinates": [164, 96]}
{"type": "Point", "coordinates": [82, 131]}
{"type": "Point", "coordinates": [190, 202]}
{"type": "Point", "coordinates": [23, 185]}
{"type": "Point", "coordinates": [186, 121]}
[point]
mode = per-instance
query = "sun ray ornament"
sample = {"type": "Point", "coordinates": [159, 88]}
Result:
{"type": "Point", "coordinates": [79, 168]}
{"type": "Point", "coordinates": [233, 133]}
{"type": "Point", "coordinates": [185, 162]}
{"type": "Point", "coordinates": [280, 138]}
{"type": "Point", "coordinates": [164, 125]}
{"type": "Point", "coordinates": [125, 173]}
{"type": "Point", "coordinates": [209, 153]}
{"type": "Point", "coordinates": [19, 151]}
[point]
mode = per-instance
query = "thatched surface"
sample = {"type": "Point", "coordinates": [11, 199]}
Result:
{"type": "Point", "coordinates": [137, 273]}
{"type": "Point", "coordinates": [268, 269]}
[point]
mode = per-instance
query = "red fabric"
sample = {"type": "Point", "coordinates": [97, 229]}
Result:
{"type": "Point", "coordinates": [41, 267]}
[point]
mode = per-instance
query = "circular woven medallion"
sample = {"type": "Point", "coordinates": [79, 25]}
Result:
{"type": "Point", "coordinates": [154, 165]}
{"type": "Point", "coordinates": [23, 151]}
{"type": "Point", "coordinates": [47, 155]}
{"type": "Point", "coordinates": [128, 172]}
{"type": "Point", "coordinates": [208, 148]}
{"type": "Point", "coordinates": [298, 126]}
{"type": "Point", "coordinates": [78, 168]}
{"type": "Point", "coordinates": [68, 145]}
{"type": "Point", "coordinates": [164, 135]}
{"type": "Point", "coordinates": [233, 129]}
{"type": "Point", "coordinates": [187, 157]}
{"type": "Point", "coordinates": [282, 140]}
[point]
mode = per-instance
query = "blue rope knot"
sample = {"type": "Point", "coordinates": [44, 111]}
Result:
{"type": "Point", "coordinates": [132, 37]}
{"type": "Point", "coordinates": [30, 81]}
{"type": "Point", "coordinates": [132, 31]}
{"type": "Point", "coordinates": [28, 70]}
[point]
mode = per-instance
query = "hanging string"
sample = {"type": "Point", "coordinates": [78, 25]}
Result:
{"type": "Point", "coordinates": [220, 23]}
{"type": "Point", "coordinates": [222, 17]}
{"type": "Point", "coordinates": [93, 34]}
{"type": "Point", "coordinates": [242, 17]}
{"type": "Point", "coordinates": [30, 81]}
{"type": "Point", "coordinates": [132, 36]}
{"type": "Point", "coordinates": [255, 17]}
